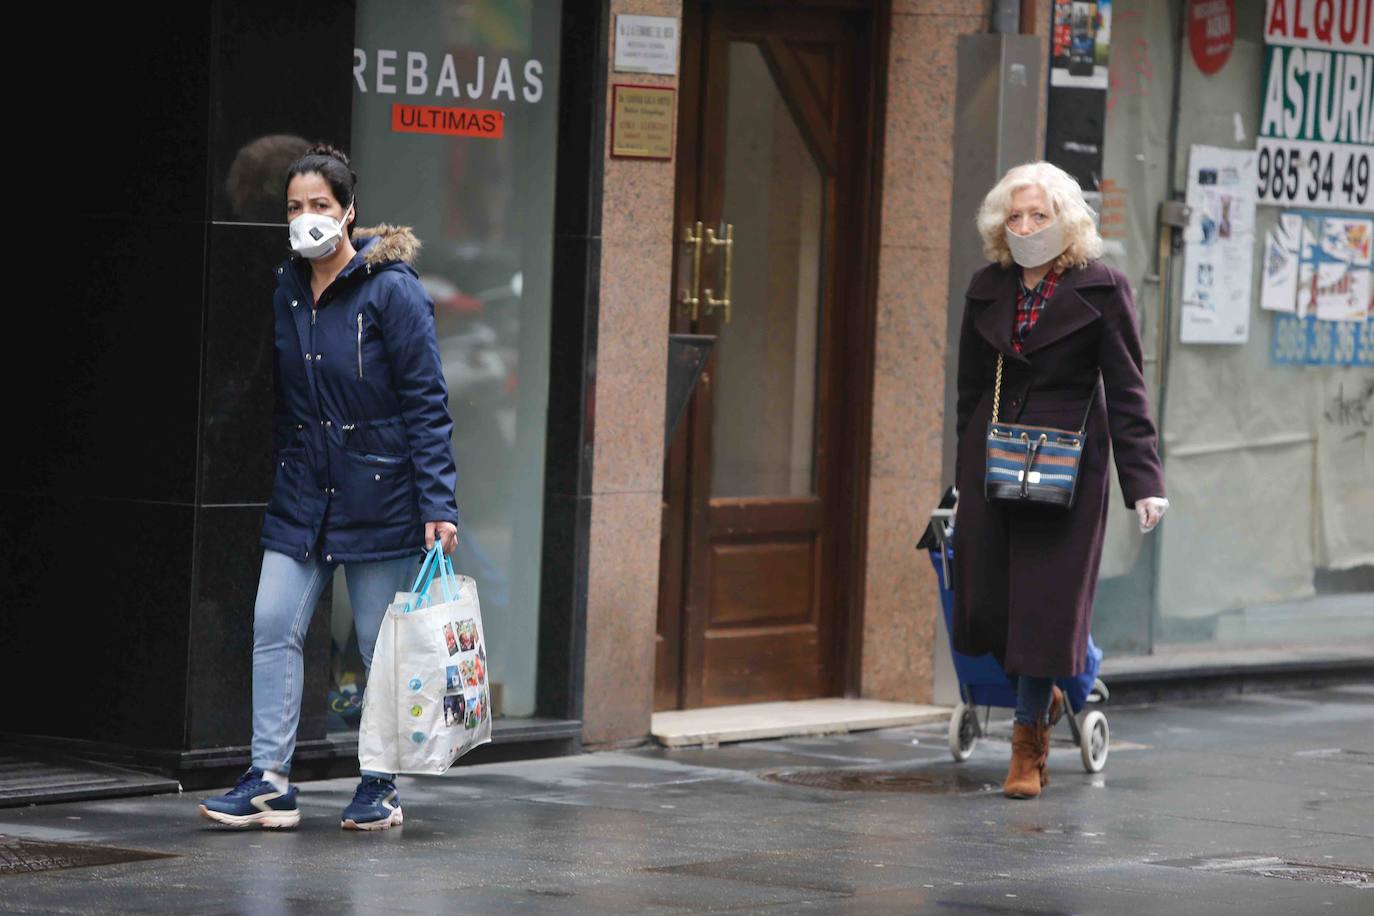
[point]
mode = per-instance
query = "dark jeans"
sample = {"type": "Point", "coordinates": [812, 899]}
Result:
{"type": "Point", "coordinates": [1033, 699]}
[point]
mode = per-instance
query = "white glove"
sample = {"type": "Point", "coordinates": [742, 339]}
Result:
{"type": "Point", "coordinates": [1149, 511]}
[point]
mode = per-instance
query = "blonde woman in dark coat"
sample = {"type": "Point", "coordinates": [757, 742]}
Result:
{"type": "Point", "coordinates": [1064, 324]}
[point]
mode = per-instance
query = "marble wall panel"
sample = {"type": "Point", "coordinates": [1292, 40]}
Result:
{"type": "Point", "coordinates": [631, 377]}
{"type": "Point", "coordinates": [901, 597]}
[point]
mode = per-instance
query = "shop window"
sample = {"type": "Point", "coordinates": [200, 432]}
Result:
{"type": "Point", "coordinates": [455, 134]}
{"type": "Point", "coordinates": [1266, 543]}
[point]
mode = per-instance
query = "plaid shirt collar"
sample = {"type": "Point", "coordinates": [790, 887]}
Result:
{"type": "Point", "coordinates": [1029, 304]}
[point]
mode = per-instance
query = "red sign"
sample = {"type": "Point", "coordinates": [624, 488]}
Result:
{"type": "Point", "coordinates": [454, 122]}
{"type": "Point", "coordinates": [1344, 24]}
{"type": "Point", "coordinates": [1211, 32]}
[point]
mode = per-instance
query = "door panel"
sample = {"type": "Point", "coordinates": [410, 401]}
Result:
{"type": "Point", "coordinates": [774, 664]}
{"type": "Point", "coordinates": [747, 610]}
{"type": "Point", "coordinates": [765, 397]}
{"type": "Point", "coordinates": [753, 584]}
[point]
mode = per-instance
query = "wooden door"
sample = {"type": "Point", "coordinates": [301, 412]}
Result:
{"type": "Point", "coordinates": [769, 132]}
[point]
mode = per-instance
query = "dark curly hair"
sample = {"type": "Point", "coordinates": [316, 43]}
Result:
{"type": "Point", "coordinates": [332, 165]}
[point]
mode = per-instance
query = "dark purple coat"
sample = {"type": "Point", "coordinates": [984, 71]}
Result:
{"type": "Point", "coordinates": [1024, 577]}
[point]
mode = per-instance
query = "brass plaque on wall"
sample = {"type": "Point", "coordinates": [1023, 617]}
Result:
{"type": "Point", "coordinates": [642, 121]}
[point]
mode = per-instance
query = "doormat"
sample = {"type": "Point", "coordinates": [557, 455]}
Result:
{"type": "Point", "coordinates": [30, 777]}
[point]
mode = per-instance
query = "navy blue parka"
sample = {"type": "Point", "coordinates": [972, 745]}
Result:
{"type": "Point", "coordinates": [361, 424]}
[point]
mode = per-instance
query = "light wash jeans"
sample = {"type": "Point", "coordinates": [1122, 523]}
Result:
{"type": "Point", "coordinates": [287, 592]}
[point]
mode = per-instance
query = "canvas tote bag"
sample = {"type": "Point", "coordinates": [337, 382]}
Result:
{"type": "Point", "coordinates": [427, 701]}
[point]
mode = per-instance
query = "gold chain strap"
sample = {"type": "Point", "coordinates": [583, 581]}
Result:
{"type": "Point", "coordinates": [997, 389]}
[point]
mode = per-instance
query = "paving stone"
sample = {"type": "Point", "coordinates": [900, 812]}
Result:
{"type": "Point", "coordinates": [689, 830]}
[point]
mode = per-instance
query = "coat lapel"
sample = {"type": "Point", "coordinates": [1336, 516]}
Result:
{"type": "Point", "coordinates": [996, 285]}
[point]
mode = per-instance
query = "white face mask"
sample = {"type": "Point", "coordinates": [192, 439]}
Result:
{"type": "Point", "coordinates": [1040, 247]}
{"type": "Point", "coordinates": [315, 235]}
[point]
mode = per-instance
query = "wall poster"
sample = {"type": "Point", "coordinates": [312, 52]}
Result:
{"type": "Point", "coordinates": [1080, 40]}
{"type": "Point", "coordinates": [1218, 246]}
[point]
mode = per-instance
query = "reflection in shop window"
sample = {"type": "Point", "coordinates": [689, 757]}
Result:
{"type": "Point", "coordinates": [481, 201]}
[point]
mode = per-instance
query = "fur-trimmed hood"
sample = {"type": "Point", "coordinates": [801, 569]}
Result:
{"type": "Point", "coordinates": [383, 248]}
{"type": "Point", "coordinates": [394, 243]}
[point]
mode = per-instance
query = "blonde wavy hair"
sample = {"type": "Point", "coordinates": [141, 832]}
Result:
{"type": "Point", "coordinates": [1066, 203]}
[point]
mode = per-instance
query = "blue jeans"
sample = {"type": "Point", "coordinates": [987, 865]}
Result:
{"type": "Point", "coordinates": [1033, 699]}
{"type": "Point", "coordinates": [287, 592]}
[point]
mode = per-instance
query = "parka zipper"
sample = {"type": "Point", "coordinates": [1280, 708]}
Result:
{"type": "Point", "coordinates": [360, 345]}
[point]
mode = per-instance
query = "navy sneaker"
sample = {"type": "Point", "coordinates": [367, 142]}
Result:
{"type": "Point", "coordinates": [253, 802]}
{"type": "Point", "coordinates": [376, 806]}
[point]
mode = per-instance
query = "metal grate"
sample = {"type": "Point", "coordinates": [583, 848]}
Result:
{"type": "Point", "coordinates": [19, 856]}
{"type": "Point", "coordinates": [1273, 867]}
{"type": "Point", "coordinates": [1338, 875]}
{"type": "Point", "coordinates": [855, 779]}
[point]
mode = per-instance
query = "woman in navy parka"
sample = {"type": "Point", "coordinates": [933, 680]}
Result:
{"type": "Point", "coordinates": [364, 473]}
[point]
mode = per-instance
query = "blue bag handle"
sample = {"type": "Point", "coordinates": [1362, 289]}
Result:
{"type": "Point", "coordinates": [445, 573]}
{"type": "Point", "coordinates": [424, 568]}
{"type": "Point", "coordinates": [427, 570]}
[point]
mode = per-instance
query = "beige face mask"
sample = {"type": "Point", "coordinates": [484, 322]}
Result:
{"type": "Point", "coordinates": [1040, 247]}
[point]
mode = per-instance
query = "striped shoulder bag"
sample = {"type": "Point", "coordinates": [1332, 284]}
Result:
{"type": "Point", "coordinates": [1032, 464]}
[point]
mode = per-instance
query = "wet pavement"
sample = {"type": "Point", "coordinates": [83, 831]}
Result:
{"type": "Point", "coordinates": [1252, 804]}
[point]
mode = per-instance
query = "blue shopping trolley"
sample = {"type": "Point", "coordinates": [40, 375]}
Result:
{"type": "Point", "coordinates": [982, 682]}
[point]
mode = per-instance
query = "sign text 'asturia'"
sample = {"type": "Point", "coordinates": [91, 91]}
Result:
{"type": "Point", "coordinates": [390, 72]}
{"type": "Point", "coordinates": [1316, 131]}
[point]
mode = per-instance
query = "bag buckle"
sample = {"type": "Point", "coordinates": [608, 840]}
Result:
{"type": "Point", "coordinates": [1031, 449]}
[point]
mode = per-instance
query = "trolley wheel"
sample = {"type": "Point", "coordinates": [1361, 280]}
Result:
{"type": "Point", "coordinates": [1093, 741]}
{"type": "Point", "coordinates": [963, 732]}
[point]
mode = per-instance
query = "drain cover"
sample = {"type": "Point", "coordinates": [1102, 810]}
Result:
{"type": "Point", "coordinates": [1343, 754]}
{"type": "Point", "coordinates": [23, 856]}
{"type": "Point", "coordinates": [1274, 867]}
{"type": "Point", "coordinates": [909, 780]}
{"type": "Point", "coordinates": [1339, 875]}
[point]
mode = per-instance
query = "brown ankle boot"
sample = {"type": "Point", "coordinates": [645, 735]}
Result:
{"type": "Point", "coordinates": [1057, 707]}
{"type": "Point", "coordinates": [1023, 779]}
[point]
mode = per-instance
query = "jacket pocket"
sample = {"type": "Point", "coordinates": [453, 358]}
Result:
{"type": "Point", "coordinates": [375, 489]}
{"type": "Point", "coordinates": [288, 481]}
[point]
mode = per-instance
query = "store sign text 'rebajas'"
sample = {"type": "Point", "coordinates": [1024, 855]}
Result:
{"type": "Point", "coordinates": [390, 72]}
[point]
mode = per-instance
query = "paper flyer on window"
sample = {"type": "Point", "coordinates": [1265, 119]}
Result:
{"type": "Point", "coordinates": [1334, 274]}
{"type": "Point", "coordinates": [1279, 277]}
{"type": "Point", "coordinates": [1319, 264]}
{"type": "Point", "coordinates": [1218, 246]}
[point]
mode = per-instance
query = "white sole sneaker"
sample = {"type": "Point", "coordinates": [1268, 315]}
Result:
{"type": "Point", "coordinates": [271, 820]}
{"type": "Point", "coordinates": [393, 821]}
